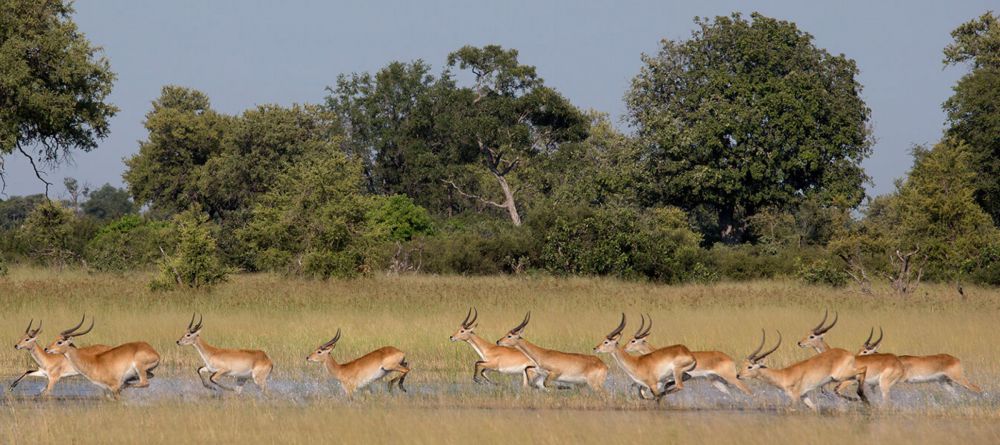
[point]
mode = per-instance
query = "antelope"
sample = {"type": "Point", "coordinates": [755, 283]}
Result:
{"type": "Point", "coordinates": [798, 379]}
{"type": "Point", "coordinates": [884, 370]}
{"type": "Point", "coordinates": [112, 369]}
{"type": "Point", "coordinates": [51, 366]}
{"type": "Point", "coordinates": [939, 368]}
{"type": "Point", "coordinates": [651, 370]}
{"type": "Point", "coordinates": [559, 367]}
{"type": "Point", "coordinates": [358, 373]}
{"type": "Point", "coordinates": [713, 365]}
{"type": "Point", "coordinates": [502, 359]}
{"type": "Point", "coordinates": [815, 337]}
{"type": "Point", "coordinates": [242, 364]}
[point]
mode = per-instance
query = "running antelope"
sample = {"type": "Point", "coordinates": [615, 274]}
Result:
{"type": "Point", "coordinates": [502, 359]}
{"type": "Point", "coordinates": [559, 367]}
{"type": "Point", "coordinates": [939, 368]}
{"type": "Point", "coordinates": [797, 380]}
{"type": "Point", "coordinates": [51, 366]}
{"type": "Point", "coordinates": [363, 370]}
{"type": "Point", "coordinates": [651, 371]}
{"type": "Point", "coordinates": [884, 370]}
{"type": "Point", "coordinates": [713, 365]}
{"type": "Point", "coordinates": [242, 364]}
{"type": "Point", "coordinates": [815, 338]}
{"type": "Point", "coordinates": [112, 369]}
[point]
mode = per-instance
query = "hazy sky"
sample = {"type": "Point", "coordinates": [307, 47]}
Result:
{"type": "Point", "coordinates": [244, 53]}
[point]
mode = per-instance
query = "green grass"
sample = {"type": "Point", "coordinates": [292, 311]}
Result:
{"type": "Point", "coordinates": [289, 317]}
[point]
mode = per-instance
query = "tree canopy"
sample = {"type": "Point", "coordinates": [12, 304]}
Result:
{"type": "Point", "coordinates": [748, 114]}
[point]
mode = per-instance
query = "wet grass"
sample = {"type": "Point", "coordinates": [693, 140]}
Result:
{"type": "Point", "coordinates": [289, 317]}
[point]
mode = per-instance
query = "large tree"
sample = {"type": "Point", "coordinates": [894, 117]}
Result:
{"type": "Point", "coordinates": [507, 117]}
{"type": "Point", "coordinates": [53, 84]}
{"type": "Point", "coordinates": [749, 114]}
{"type": "Point", "coordinates": [974, 109]}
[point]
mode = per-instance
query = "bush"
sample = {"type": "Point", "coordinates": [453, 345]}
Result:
{"type": "Point", "coordinates": [50, 235]}
{"type": "Point", "coordinates": [195, 263]}
{"type": "Point", "coordinates": [756, 262]}
{"type": "Point", "coordinates": [129, 243]}
{"type": "Point", "coordinates": [481, 248]}
{"type": "Point", "coordinates": [822, 271]}
{"type": "Point", "coordinates": [3, 267]}
{"type": "Point", "coordinates": [397, 218]}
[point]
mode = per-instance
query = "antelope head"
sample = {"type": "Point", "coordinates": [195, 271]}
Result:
{"type": "Point", "coordinates": [755, 361]}
{"type": "Point", "coordinates": [468, 327]}
{"type": "Point", "coordinates": [191, 334]}
{"type": "Point", "coordinates": [815, 338]}
{"type": "Point", "coordinates": [30, 336]}
{"type": "Point", "coordinates": [871, 347]}
{"type": "Point", "coordinates": [513, 337]}
{"type": "Point", "coordinates": [638, 343]}
{"type": "Point", "coordinates": [64, 341]}
{"type": "Point", "coordinates": [610, 342]}
{"type": "Point", "coordinates": [324, 349]}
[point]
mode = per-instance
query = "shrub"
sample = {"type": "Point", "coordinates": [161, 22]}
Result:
{"type": "Point", "coordinates": [822, 271]}
{"type": "Point", "coordinates": [129, 243]}
{"type": "Point", "coordinates": [49, 234]}
{"type": "Point", "coordinates": [3, 267]}
{"type": "Point", "coordinates": [397, 218]}
{"type": "Point", "coordinates": [195, 262]}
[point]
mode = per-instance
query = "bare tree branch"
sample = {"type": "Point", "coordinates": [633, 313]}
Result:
{"type": "Point", "coordinates": [471, 196]}
{"type": "Point", "coordinates": [38, 173]}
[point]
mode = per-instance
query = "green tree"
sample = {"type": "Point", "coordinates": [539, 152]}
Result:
{"type": "Point", "coordinates": [49, 234]}
{"type": "Point", "coordinates": [507, 118]}
{"type": "Point", "coordinates": [55, 84]}
{"type": "Point", "coordinates": [129, 243]}
{"type": "Point", "coordinates": [974, 108]}
{"type": "Point", "coordinates": [750, 114]}
{"type": "Point", "coordinates": [397, 218]}
{"type": "Point", "coordinates": [196, 261]}
{"type": "Point", "coordinates": [15, 210]}
{"type": "Point", "coordinates": [312, 221]}
{"type": "Point", "coordinates": [108, 203]}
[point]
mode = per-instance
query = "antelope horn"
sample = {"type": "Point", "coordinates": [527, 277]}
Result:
{"type": "Point", "coordinates": [870, 334]}
{"type": "Point", "coordinates": [465, 322]}
{"type": "Point", "coordinates": [333, 341]}
{"type": "Point", "coordinates": [642, 324]}
{"type": "Point", "coordinates": [836, 316]}
{"type": "Point", "coordinates": [191, 323]}
{"type": "Point", "coordinates": [524, 323]}
{"type": "Point", "coordinates": [34, 332]}
{"type": "Point", "coordinates": [775, 348]}
{"type": "Point", "coordinates": [475, 316]}
{"type": "Point", "coordinates": [74, 328]}
{"type": "Point", "coordinates": [877, 342]}
{"type": "Point", "coordinates": [822, 322]}
{"type": "Point", "coordinates": [28, 329]}
{"type": "Point", "coordinates": [648, 327]}
{"type": "Point", "coordinates": [77, 334]}
{"type": "Point", "coordinates": [198, 326]}
{"type": "Point", "coordinates": [753, 355]}
{"type": "Point", "coordinates": [617, 330]}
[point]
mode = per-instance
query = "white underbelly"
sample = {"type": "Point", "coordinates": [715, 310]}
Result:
{"type": "Point", "coordinates": [375, 376]}
{"type": "Point", "coordinates": [701, 374]}
{"type": "Point", "coordinates": [926, 378]}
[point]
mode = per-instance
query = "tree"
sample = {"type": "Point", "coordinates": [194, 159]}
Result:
{"type": "Point", "coordinates": [14, 211]}
{"type": "Point", "coordinates": [55, 84]}
{"type": "Point", "coordinates": [974, 109]}
{"type": "Point", "coordinates": [507, 117]}
{"type": "Point", "coordinates": [49, 234]}
{"type": "Point", "coordinates": [746, 115]}
{"type": "Point", "coordinates": [196, 262]}
{"type": "Point", "coordinates": [108, 203]}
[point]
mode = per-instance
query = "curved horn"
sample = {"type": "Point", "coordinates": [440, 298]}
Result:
{"type": "Point", "coordinates": [836, 316]}
{"type": "Point", "coordinates": [648, 327]}
{"type": "Point", "coordinates": [822, 322]}
{"type": "Point", "coordinates": [475, 316]}
{"type": "Point", "coordinates": [617, 330]}
{"type": "Point", "coordinates": [527, 317]}
{"type": "Point", "coordinates": [28, 329]}
{"type": "Point", "coordinates": [34, 332]}
{"type": "Point", "coordinates": [874, 345]}
{"type": "Point", "coordinates": [465, 322]}
{"type": "Point", "coordinates": [870, 334]}
{"type": "Point", "coordinates": [333, 341]}
{"type": "Point", "coordinates": [74, 328]}
{"type": "Point", "coordinates": [198, 326]}
{"type": "Point", "coordinates": [775, 348]}
{"type": "Point", "coordinates": [191, 323]}
{"type": "Point", "coordinates": [642, 325]}
{"type": "Point", "coordinates": [77, 334]}
{"type": "Point", "coordinates": [753, 355]}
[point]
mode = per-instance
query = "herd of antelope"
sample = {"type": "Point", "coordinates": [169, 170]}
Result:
{"type": "Point", "coordinates": [655, 372]}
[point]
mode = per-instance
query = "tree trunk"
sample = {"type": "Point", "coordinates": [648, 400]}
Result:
{"type": "Point", "coordinates": [508, 202]}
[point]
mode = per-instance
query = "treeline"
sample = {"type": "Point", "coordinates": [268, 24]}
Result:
{"type": "Point", "coordinates": [743, 161]}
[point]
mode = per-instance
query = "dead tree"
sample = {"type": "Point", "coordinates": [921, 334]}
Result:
{"type": "Point", "coordinates": [908, 269]}
{"type": "Point", "coordinates": [856, 270]}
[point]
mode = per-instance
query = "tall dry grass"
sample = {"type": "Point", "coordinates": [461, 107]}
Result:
{"type": "Point", "coordinates": [289, 317]}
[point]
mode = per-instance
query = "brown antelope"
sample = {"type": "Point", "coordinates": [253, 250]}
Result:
{"type": "Point", "coordinates": [938, 368]}
{"type": "Point", "coordinates": [884, 370]}
{"type": "Point", "coordinates": [242, 364]}
{"type": "Point", "coordinates": [51, 366]}
{"type": "Point", "coordinates": [502, 359]}
{"type": "Point", "coordinates": [112, 369]}
{"type": "Point", "coordinates": [713, 365]}
{"type": "Point", "coordinates": [799, 379]}
{"type": "Point", "coordinates": [651, 371]}
{"type": "Point", "coordinates": [358, 373]}
{"type": "Point", "coordinates": [559, 367]}
{"type": "Point", "coordinates": [815, 338]}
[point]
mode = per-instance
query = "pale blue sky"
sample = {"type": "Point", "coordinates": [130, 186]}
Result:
{"type": "Point", "coordinates": [244, 53]}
